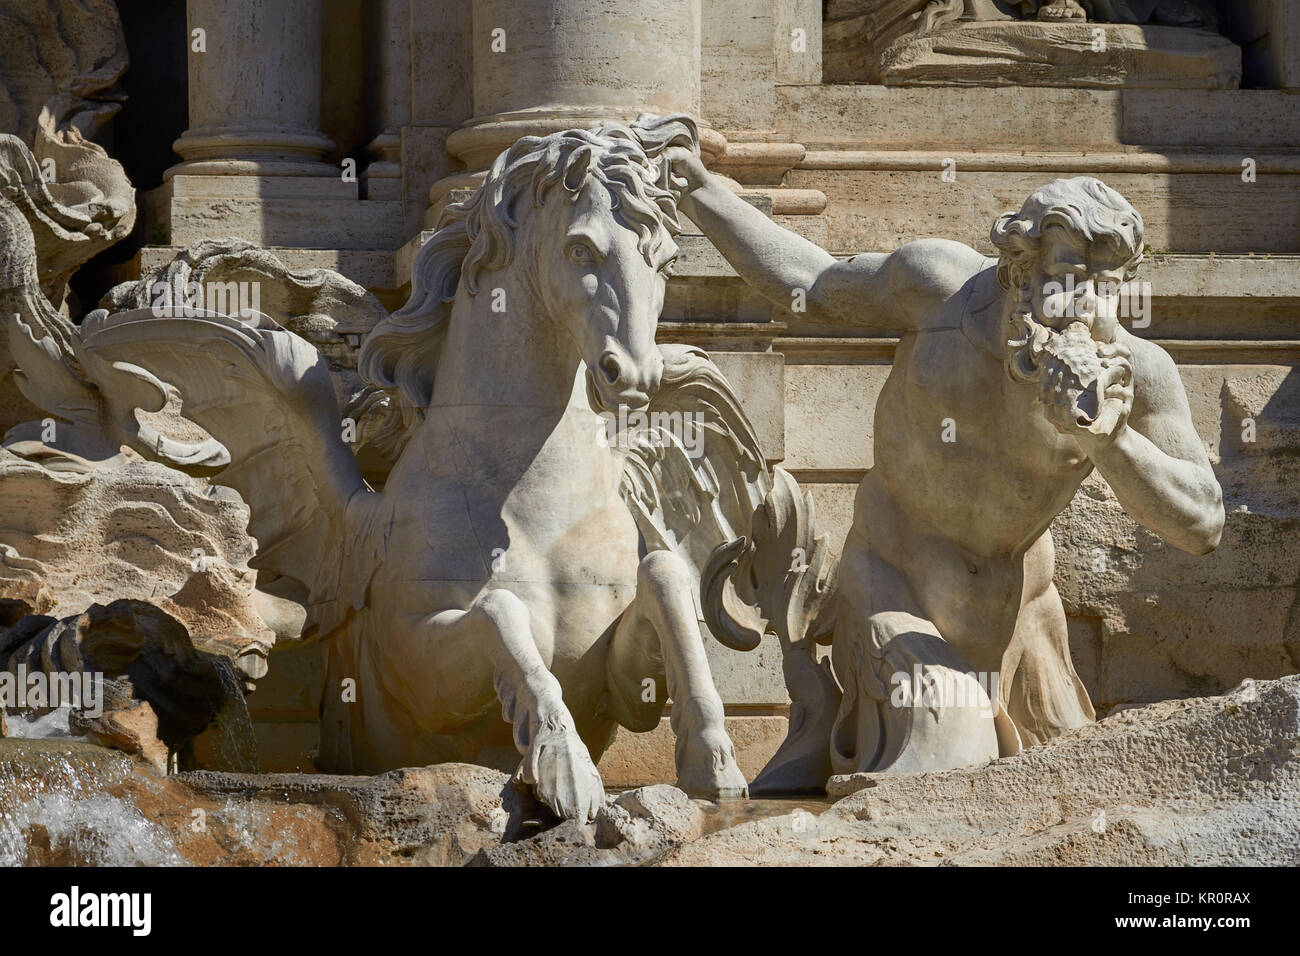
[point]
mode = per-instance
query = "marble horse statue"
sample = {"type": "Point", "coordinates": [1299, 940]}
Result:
{"type": "Point", "coordinates": [517, 577]}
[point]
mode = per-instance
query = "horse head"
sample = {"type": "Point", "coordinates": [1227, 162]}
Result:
{"type": "Point", "coordinates": [599, 247]}
{"type": "Point", "coordinates": [586, 220]}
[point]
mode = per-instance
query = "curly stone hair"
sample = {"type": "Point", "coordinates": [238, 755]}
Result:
{"type": "Point", "coordinates": [1084, 206]}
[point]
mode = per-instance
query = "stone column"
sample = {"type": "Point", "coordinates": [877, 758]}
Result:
{"type": "Point", "coordinates": [751, 49]}
{"type": "Point", "coordinates": [1284, 32]}
{"type": "Point", "coordinates": [541, 66]}
{"type": "Point", "coordinates": [393, 52]}
{"type": "Point", "coordinates": [254, 93]}
{"type": "Point", "coordinates": [253, 154]}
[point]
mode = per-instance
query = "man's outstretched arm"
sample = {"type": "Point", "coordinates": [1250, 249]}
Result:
{"type": "Point", "coordinates": [884, 290]}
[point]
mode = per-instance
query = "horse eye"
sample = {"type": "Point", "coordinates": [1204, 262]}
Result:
{"type": "Point", "coordinates": [580, 252]}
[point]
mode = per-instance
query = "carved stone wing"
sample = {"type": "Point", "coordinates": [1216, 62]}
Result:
{"type": "Point", "coordinates": [698, 485]}
{"type": "Point", "coordinates": [694, 474]}
{"type": "Point", "coordinates": [266, 395]}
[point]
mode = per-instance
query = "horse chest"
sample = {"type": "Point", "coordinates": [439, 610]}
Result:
{"type": "Point", "coordinates": [516, 499]}
{"type": "Point", "coordinates": [582, 535]}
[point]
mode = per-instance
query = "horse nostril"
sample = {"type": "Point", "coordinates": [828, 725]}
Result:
{"type": "Point", "coordinates": [610, 367]}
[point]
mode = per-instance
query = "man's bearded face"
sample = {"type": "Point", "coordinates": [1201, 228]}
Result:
{"type": "Point", "coordinates": [1077, 283]}
{"type": "Point", "coordinates": [1075, 289]}
{"type": "Point", "coordinates": [1066, 319]}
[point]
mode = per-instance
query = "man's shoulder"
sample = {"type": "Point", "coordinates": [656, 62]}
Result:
{"type": "Point", "coordinates": [1155, 373]}
{"type": "Point", "coordinates": [1148, 358]}
{"type": "Point", "coordinates": [928, 274]}
{"type": "Point", "coordinates": [940, 263]}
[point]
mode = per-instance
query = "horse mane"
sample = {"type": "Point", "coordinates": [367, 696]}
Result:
{"type": "Point", "coordinates": [400, 354]}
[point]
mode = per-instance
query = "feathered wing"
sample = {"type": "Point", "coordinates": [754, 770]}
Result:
{"type": "Point", "coordinates": [266, 395]}
{"type": "Point", "coordinates": [698, 485]}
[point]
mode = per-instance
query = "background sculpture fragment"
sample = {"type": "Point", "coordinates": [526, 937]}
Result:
{"type": "Point", "coordinates": [1203, 14]}
{"type": "Point", "coordinates": [103, 475]}
{"type": "Point", "coordinates": [1161, 43]}
{"type": "Point", "coordinates": [61, 69]}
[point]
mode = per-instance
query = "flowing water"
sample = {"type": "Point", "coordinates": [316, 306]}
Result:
{"type": "Point", "coordinates": [57, 799]}
{"type": "Point", "coordinates": [49, 726]}
{"type": "Point", "coordinates": [235, 744]}
{"type": "Point", "coordinates": [730, 813]}
{"type": "Point", "coordinates": [55, 808]}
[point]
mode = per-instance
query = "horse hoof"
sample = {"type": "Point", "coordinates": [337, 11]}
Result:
{"type": "Point", "coordinates": [729, 786]}
{"type": "Point", "coordinates": [712, 773]}
{"type": "Point", "coordinates": [566, 780]}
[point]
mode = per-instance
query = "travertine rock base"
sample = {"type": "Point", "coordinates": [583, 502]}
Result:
{"type": "Point", "coordinates": [1214, 780]}
{"type": "Point", "coordinates": [1206, 781]}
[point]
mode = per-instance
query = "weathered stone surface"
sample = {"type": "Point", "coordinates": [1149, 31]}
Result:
{"type": "Point", "coordinates": [648, 816]}
{"type": "Point", "coordinates": [438, 815]}
{"type": "Point", "coordinates": [1192, 782]}
{"type": "Point", "coordinates": [73, 803]}
{"type": "Point", "coordinates": [629, 829]}
{"type": "Point", "coordinates": [132, 729]}
{"type": "Point", "coordinates": [162, 529]}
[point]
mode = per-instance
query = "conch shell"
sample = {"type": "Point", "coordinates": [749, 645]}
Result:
{"type": "Point", "coordinates": [1075, 355]}
{"type": "Point", "coordinates": [1074, 359]}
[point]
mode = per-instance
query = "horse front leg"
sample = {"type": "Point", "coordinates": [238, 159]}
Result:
{"type": "Point", "coordinates": [658, 652]}
{"type": "Point", "coordinates": [555, 763]}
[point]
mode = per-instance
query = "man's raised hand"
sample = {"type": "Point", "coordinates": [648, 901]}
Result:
{"type": "Point", "coordinates": [687, 169]}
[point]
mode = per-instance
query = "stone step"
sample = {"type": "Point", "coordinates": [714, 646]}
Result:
{"type": "Point", "coordinates": [1206, 296]}
{"type": "Point", "coordinates": [1011, 119]}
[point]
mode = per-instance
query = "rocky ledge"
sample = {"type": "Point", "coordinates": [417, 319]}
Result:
{"type": "Point", "coordinates": [1213, 780]}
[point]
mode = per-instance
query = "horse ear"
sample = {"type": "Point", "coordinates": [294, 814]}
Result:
{"type": "Point", "coordinates": [575, 172]}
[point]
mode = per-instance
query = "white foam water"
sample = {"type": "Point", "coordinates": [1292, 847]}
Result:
{"type": "Point", "coordinates": [55, 809]}
{"type": "Point", "coordinates": [49, 726]}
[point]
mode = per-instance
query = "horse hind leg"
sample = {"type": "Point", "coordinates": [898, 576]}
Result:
{"type": "Point", "coordinates": [658, 652]}
{"type": "Point", "coordinates": [555, 762]}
